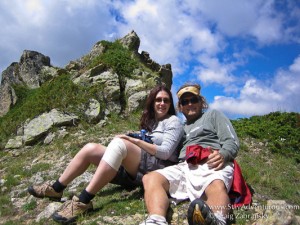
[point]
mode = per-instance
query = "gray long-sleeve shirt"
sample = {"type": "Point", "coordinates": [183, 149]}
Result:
{"type": "Point", "coordinates": [212, 129]}
{"type": "Point", "coordinates": [167, 135]}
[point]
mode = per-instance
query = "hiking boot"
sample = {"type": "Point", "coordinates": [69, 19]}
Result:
{"type": "Point", "coordinates": [70, 210]}
{"type": "Point", "coordinates": [44, 190]}
{"type": "Point", "coordinates": [199, 213]}
{"type": "Point", "coordinates": [153, 220]}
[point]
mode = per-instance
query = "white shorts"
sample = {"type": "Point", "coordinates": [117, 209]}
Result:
{"type": "Point", "coordinates": [189, 181]}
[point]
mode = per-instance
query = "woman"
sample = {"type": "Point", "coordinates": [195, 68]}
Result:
{"type": "Point", "coordinates": [124, 161]}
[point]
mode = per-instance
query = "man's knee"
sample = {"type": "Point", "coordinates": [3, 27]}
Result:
{"type": "Point", "coordinates": [154, 179]}
{"type": "Point", "coordinates": [216, 186]}
{"type": "Point", "coordinates": [148, 179]}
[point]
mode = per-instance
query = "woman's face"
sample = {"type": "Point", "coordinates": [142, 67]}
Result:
{"type": "Point", "coordinates": [162, 104]}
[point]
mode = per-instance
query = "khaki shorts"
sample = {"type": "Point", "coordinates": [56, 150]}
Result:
{"type": "Point", "coordinates": [189, 181]}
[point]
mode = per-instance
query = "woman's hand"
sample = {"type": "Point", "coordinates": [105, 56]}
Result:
{"type": "Point", "coordinates": [123, 136]}
{"type": "Point", "coordinates": [150, 148]}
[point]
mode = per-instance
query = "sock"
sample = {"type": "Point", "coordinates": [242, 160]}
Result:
{"type": "Point", "coordinates": [85, 197]}
{"type": "Point", "coordinates": [220, 217]}
{"type": "Point", "coordinates": [58, 187]}
{"type": "Point", "coordinates": [157, 218]}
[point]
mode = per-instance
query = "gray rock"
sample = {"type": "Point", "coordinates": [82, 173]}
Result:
{"type": "Point", "coordinates": [7, 98]}
{"type": "Point", "coordinates": [14, 143]}
{"type": "Point", "coordinates": [275, 212]}
{"type": "Point", "coordinates": [49, 138]}
{"type": "Point", "coordinates": [137, 100]}
{"type": "Point", "coordinates": [30, 66]}
{"type": "Point", "coordinates": [131, 41]}
{"type": "Point", "coordinates": [39, 126]}
{"type": "Point", "coordinates": [48, 211]}
{"type": "Point", "coordinates": [93, 112]}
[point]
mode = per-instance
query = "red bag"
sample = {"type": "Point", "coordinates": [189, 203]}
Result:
{"type": "Point", "coordinates": [196, 153]}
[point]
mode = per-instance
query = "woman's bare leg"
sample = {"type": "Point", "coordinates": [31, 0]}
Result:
{"type": "Point", "coordinates": [91, 153]}
{"type": "Point", "coordinates": [105, 173]}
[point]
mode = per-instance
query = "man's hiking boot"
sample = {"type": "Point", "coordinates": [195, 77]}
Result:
{"type": "Point", "coordinates": [45, 190]}
{"type": "Point", "coordinates": [70, 210]}
{"type": "Point", "coordinates": [199, 213]}
{"type": "Point", "coordinates": [153, 220]}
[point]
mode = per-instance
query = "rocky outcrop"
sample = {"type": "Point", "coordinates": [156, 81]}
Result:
{"type": "Point", "coordinates": [131, 41]}
{"type": "Point", "coordinates": [31, 71]}
{"type": "Point", "coordinates": [28, 71]}
{"type": "Point", "coordinates": [37, 128]}
{"type": "Point", "coordinates": [30, 67]}
{"type": "Point", "coordinates": [7, 98]}
{"type": "Point", "coordinates": [34, 69]}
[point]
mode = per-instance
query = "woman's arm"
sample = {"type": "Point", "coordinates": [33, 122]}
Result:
{"type": "Point", "coordinates": [171, 133]}
{"type": "Point", "coordinates": [150, 148]}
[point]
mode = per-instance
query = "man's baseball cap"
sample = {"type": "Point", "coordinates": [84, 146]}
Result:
{"type": "Point", "coordinates": [189, 89]}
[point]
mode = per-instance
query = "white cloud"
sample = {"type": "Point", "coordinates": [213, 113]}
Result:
{"type": "Point", "coordinates": [63, 30]}
{"type": "Point", "coordinates": [169, 31]}
{"type": "Point", "coordinates": [212, 71]}
{"type": "Point", "coordinates": [246, 107]}
{"type": "Point", "coordinates": [257, 19]}
{"type": "Point", "coordinates": [295, 67]}
{"type": "Point", "coordinates": [259, 97]}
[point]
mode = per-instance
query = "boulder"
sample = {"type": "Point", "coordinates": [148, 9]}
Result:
{"type": "Point", "coordinates": [93, 111]}
{"type": "Point", "coordinates": [39, 126]}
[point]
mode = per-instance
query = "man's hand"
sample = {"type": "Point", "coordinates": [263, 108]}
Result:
{"type": "Point", "coordinates": [215, 160]}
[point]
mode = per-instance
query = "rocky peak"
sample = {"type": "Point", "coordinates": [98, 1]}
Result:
{"type": "Point", "coordinates": [131, 41]}
{"type": "Point", "coordinates": [34, 69]}
{"type": "Point", "coordinates": [30, 68]}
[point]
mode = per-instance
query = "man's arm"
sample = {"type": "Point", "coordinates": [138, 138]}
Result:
{"type": "Point", "coordinates": [227, 136]}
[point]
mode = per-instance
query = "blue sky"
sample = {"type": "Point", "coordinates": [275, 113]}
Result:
{"type": "Point", "coordinates": [245, 54]}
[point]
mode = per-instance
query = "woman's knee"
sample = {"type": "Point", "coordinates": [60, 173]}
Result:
{"type": "Point", "coordinates": [91, 149]}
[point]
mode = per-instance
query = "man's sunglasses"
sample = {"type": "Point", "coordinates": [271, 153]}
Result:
{"type": "Point", "coordinates": [165, 100]}
{"type": "Point", "coordinates": [192, 100]}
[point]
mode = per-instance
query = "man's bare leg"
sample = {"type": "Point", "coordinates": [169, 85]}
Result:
{"type": "Point", "coordinates": [217, 198]}
{"type": "Point", "coordinates": [156, 187]}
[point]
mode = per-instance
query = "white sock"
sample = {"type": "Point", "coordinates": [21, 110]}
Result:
{"type": "Point", "coordinates": [220, 217]}
{"type": "Point", "coordinates": [158, 218]}
{"type": "Point", "coordinates": [115, 153]}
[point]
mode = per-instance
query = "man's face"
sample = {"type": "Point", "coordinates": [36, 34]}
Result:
{"type": "Point", "coordinates": [190, 106]}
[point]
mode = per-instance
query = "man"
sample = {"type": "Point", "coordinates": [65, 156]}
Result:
{"type": "Point", "coordinates": [206, 183]}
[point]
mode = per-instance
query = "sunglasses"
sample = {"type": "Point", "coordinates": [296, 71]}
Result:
{"type": "Point", "coordinates": [192, 100]}
{"type": "Point", "coordinates": [160, 100]}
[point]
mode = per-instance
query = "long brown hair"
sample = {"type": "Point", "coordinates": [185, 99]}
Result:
{"type": "Point", "coordinates": [148, 117]}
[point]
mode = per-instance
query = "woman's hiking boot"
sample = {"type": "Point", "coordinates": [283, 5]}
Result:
{"type": "Point", "coordinates": [199, 213]}
{"type": "Point", "coordinates": [70, 210]}
{"type": "Point", "coordinates": [45, 190]}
